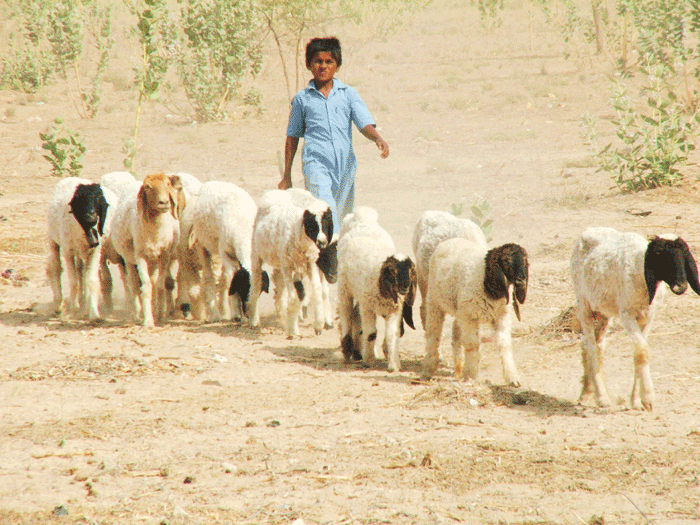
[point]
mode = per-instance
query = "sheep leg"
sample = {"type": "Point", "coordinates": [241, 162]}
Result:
{"type": "Point", "coordinates": [227, 303]}
{"type": "Point", "coordinates": [256, 290]}
{"type": "Point", "coordinates": [187, 279]}
{"type": "Point", "coordinates": [505, 345]}
{"type": "Point", "coordinates": [391, 341]}
{"type": "Point", "coordinates": [170, 286]}
{"type": "Point", "coordinates": [435, 319]}
{"type": "Point", "coordinates": [106, 286]}
{"type": "Point", "coordinates": [90, 288]}
{"type": "Point", "coordinates": [54, 269]}
{"type": "Point", "coordinates": [134, 287]}
{"type": "Point", "coordinates": [467, 333]}
{"type": "Point", "coordinates": [209, 289]}
{"type": "Point", "coordinates": [145, 292]}
{"type": "Point", "coordinates": [642, 397]}
{"type": "Point", "coordinates": [292, 308]}
{"type": "Point", "coordinates": [423, 287]}
{"type": "Point", "coordinates": [369, 334]}
{"type": "Point", "coordinates": [316, 298]}
{"type": "Point", "coordinates": [327, 307]}
{"type": "Point", "coordinates": [592, 358]}
{"type": "Point", "coordinates": [345, 315]}
{"type": "Point", "coordinates": [73, 268]}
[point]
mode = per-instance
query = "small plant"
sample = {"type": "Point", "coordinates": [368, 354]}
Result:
{"type": "Point", "coordinates": [481, 215]}
{"type": "Point", "coordinates": [65, 149]}
{"type": "Point", "coordinates": [218, 50]}
{"type": "Point", "coordinates": [652, 146]}
{"type": "Point", "coordinates": [152, 30]}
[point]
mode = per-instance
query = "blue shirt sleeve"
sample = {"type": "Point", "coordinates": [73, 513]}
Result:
{"type": "Point", "coordinates": [358, 111]}
{"type": "Point", "coordinates": [296, 126]}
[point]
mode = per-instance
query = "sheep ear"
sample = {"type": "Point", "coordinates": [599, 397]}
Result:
{"type": "Point", "coordinates": [191, 239]}
{"type": "Point", "coordinates": [495, 282]}
{"type": "Point", "coordinates": [691, 272]}
{"type": "Point", "coordinates": [411, 294]}
{"type": "Point", "coordinates": [651, 283]}
{"type": "Point", "coordinates": [516, 306]}
{"type": "Point", "coordinates": [177, 197]}
{"type": "Point", "coordinates": [102, 215]}
{"type": "Point", "coordinates": [141, 200]}
{"type": "Point", "coordinates": [388, 279]}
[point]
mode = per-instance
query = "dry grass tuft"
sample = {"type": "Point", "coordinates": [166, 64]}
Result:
{"type": "Point", "coordinates": [565, 322]}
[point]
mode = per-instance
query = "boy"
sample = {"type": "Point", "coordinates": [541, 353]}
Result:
{"type": "Point", "coordinates": [322, 114]}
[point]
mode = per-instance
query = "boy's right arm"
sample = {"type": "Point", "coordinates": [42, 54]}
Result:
{"type": "Point", "coordinates": [290, 151]}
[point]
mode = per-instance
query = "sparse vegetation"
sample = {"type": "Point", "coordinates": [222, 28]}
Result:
{"type": "Point", "coordinates": [65, 149]}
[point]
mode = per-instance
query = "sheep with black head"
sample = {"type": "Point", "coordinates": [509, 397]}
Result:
{"type": "Point", "coordinates": [471, 282]}
{"type": "Point", "coordinates": [620, 274]}
{"type": "Point", "coordinates": [78, 221]}
{"type": "Point", "coordinates": [373, 281]}
{"type": "Point", "coordinates": [289, 238]}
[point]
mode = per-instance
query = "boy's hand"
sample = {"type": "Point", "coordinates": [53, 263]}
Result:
{"type": "Point", "coordinates": [383, 148]}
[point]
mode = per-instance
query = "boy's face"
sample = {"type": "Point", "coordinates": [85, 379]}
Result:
{"type": "Point", "coordinates": [323, 66]}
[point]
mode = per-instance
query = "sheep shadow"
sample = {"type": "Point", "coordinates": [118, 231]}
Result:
{"type": "Point", "coordinates": [541, 405]}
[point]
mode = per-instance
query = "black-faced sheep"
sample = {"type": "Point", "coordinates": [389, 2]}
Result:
{"type": "Point", "coordinates": [224, 215]}
{"type": "Point", "coordinates": [471, 283]}
{"type": "Point", "coordinates": [432, 228]}
{"type": "Point", "coordinates": [618, 274]}
{"type": "Point", "coordinates": [79, 218]}
{"type": "Point", "coordinates": [373, 280]}
{"type": "Point", "coordinates": [145, 233]}
{"type": "Point", "coordinates": [290, 238]}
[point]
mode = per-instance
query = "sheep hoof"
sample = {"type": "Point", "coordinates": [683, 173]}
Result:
{"type": "Point", "coordinates": [328, 326]}
{"type": "Point", "coordinates": [318, 331]}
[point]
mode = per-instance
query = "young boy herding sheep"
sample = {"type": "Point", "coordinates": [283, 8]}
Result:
{"type": "Point", "coordinates": [322, 114]}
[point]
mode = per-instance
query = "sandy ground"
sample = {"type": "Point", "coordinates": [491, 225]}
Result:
{"type": "Point", "coordinates": [194, 423]}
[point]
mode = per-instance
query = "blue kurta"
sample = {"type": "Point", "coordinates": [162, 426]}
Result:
{"type": "Point", "coordinates": [328, 161]}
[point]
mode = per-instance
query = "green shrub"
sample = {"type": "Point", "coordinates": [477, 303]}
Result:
{"type": "Point", "coordinates": [65, 149]}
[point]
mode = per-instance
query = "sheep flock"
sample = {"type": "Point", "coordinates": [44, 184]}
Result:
{"type": "Point", "coordinates": [206, 251]}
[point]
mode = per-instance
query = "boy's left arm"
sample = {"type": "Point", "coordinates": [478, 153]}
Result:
{"type": "Point", "coordinates": [370, 132]}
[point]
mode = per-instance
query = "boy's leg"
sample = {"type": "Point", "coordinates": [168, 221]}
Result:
{"type": "Point", "coordinates": [318, 182]}
{"type": "Point", "coordinates": [344, 188]}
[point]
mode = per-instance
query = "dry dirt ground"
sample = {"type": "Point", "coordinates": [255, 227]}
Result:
{"type": "Point", "coordinates": [194, 423]}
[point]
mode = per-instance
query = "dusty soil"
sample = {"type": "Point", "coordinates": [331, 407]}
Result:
{"type": "Point", "coordinates": [194, 423]}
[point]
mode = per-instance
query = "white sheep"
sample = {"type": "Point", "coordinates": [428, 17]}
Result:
{"type": "Point", "coordinates": [79, 219]}
{"type": "Point", "coordinates": [363, 221]}
{"type": "Point", "coordinates": [373, 280]}
{"type": "Point", "coordinates": [224, 215]}
{"type": "Point", "coordinates": [289, 238]}
{"type": "Point", "coordinates": [145, 233]}
{"type": "Point", "coordinates": [432, 228]}
{"type": "Point", "coordinates": [327, 258]}
{"type": "Point", "coordinates": [471, 283]}
{"type": "Point", "coordinates": [189, 271]}
{"type": "Point", "coordinates": [618, 274]}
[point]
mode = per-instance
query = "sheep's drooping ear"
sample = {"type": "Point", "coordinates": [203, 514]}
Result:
{"type": "Point", "coordinates": [649, 264]}
{"type": "Point", "coordinates": [142, 201]}
{"type": "Point", "coordinates": [102, 207]}
{"type": "Point", "coordinates": [265, 282]}
{"type": "Point", "coordinates": [691, 269]}
{"type": "Point", "coordinates": [177, 196]}
{"type": "Point", "coordinates": [240, 285]}
{"type": "Point", "coordinates": [388, 279]}
{"type": "Point", "coordinates": [495, 283]}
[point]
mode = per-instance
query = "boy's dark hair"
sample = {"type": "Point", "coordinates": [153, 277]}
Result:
{"type": "Point", "coordinates": [324, 45]}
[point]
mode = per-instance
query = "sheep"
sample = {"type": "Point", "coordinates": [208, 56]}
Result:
{"type": "Point", "coordinates": [145, 233]}
{"type": "Point", "coordinates": [471, 282]}
{"type": "Point", "coordinates": [364, 221]}
{"type": "Point", "coordinates": [373, 280]}
{"type": "Point", "coordinates": [327, 260]}
{"type": "Point", "coordinates": [290, 238]}
{"type": "Point", "coordinates": [618, 274]}
{"type": "Point", "coordinates": [223, 220]}
{"type": "Point", "coordinates": [189, 271]}
{"type": "Point", "coordinates": [79, 218]}
{"type": "Point", "coordinates": [432, 228]}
